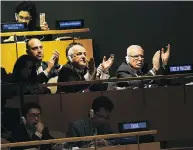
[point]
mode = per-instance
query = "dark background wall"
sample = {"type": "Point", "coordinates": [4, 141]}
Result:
{"type": "Point", "coordinates": [116, 25]}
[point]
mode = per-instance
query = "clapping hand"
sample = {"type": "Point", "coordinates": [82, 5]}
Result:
{"type": "Point", "coordinates": [91, 65]}
{"type": "Point", "coordinates": [107, 63]}
{"type": "Point", "coordinates": [165, 55]}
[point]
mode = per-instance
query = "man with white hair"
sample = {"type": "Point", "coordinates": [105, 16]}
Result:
{"type": "Point", "coordinates": [78, 68]}
{"type": "Point", "coordinates": [134, 62]}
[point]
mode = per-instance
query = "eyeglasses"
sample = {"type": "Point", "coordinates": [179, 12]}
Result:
{"type": "Point", "coordinates": [33, 115]}
{"type": "Point", "coordinates": [136, 57]}
{"type": "Point", "coordinates": [24, 18]}
{"type": "Point", "coordinates": [37, 47]}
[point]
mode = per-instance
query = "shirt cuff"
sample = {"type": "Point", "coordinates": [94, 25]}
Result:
{"type": "Point", "coordinates": [60, 68]}
{"type": "Point", "coordinates": [38, 134]}
{"type": "Point", "coordinates": [152, 72]}
{"type": "Point", "coordinates": [104, 76]}
{"type": "Point", "coordinates": [87, 76]}
{"type": "Point", "coordinates": [46, 74]}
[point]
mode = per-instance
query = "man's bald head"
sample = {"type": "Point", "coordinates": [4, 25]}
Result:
{"type": "Point", "coordinates": [35, 48]}
{"type": "Point", "coordinates": [135, 53]}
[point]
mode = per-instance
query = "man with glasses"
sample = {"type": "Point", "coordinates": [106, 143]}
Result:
{"type": "Point", "coordinates": [96, 124]}
{"type": "Point", "coordinates": [32, 128]}
{"type": "Point", "coordinates": [134, 62]}
{"type": "Point", "coordinates": [79, 68]}
{"type": "Point", "coordinates": [45, 70]}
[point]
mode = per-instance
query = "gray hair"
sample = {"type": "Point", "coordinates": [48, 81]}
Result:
{"type": "Point", "coordinates": [131, 48]}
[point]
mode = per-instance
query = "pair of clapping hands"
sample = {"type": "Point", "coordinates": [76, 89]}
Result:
{"type": "Point", "coordinates": [164, 54]}
{"type": "Point", "coordinates": [103, 67]}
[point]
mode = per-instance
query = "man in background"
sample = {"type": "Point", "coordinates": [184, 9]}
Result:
{"type": "Point", "coordinates": [96, 124]}
{"type": "Point", "coordinates": [32, 128]}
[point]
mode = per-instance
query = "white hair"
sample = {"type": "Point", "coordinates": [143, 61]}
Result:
{"type": "Point", "coordinates": [131, 48]}
{"type": "Point", "coordinates": [71, 51]}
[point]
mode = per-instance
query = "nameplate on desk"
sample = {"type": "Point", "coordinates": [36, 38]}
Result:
{"type": "Point", "coordinates": [133, 126]}
{"type": "Point", "coordinates": [70, 24]}
{"type": "Point", "coordinates": [13, 27]}
{"type": "Point", "coordinates": [175, 69]}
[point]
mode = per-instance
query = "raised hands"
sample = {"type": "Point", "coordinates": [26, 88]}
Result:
{"type": "Point", "coordinates": [156, 60]}
{"type": "Point", "coordinates": [106, 64]}
{"type": "Point", "coordinates": [54, 58]}
{"type": "Point", "coordinates": [165, 55]}
{"type": "Point", "coordinates": [91, 65]}
{"type": "Point", "coordinates": [44, 26]}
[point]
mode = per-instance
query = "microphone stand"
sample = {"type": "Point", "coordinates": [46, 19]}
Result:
{"type": "Point", "coordinates": [15, 41]}
{"type": "Point", "coordinates": [73, 37]}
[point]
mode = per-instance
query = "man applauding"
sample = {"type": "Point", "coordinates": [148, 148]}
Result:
{"type": "Point", "coordinates": [79, 68]}
{"type": "Point", "coordinates": [134, 62]}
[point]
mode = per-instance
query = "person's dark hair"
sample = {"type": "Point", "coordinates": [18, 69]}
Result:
{"type": "Point", "coordinates": [31, 8]}
{"type": "Point", "coordinates": [29, 106]}
{"type": "Point", "coordinates": [27, 44]}
{"type": "Point", "coordinates": [71, 45]}
{"type": "Point", "coordinates": [20, 65]}
{"type": "Point", "coordinates": [102, 102]}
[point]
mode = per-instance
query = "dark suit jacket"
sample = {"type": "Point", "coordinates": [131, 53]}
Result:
{"type": "Point", "coordinates": [67, 74]}
{"type": "Point", "coordinates": [124, 71]}
{"type": "Point", "coordinates": [53, 73]}
{"type": "Point", "coordinates": [20, 135]}
{"type": "Point", "coordinates": [84, 127]}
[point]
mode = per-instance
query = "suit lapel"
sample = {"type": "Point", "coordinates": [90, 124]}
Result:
{"type": "Point", "coordinates": [44, 65]}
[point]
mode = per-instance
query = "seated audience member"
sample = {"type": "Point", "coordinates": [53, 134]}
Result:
{"type": "Point", "coordinates": [134, 62]}
{"type": "Point", "coordinates": [26, 13]}
{"type": "Point", "coordinates": [96, 124]}
{"type": "Point", "coordinates": [5, 78]}
{"type": "Point", "coordinates": [24, 72]}
{"type": "Point", "coordinates": [45, 70]}
{"type": "Point", "coordinates": [32, 128]}
{"type": "Point", "coordinates": [78, 68]}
